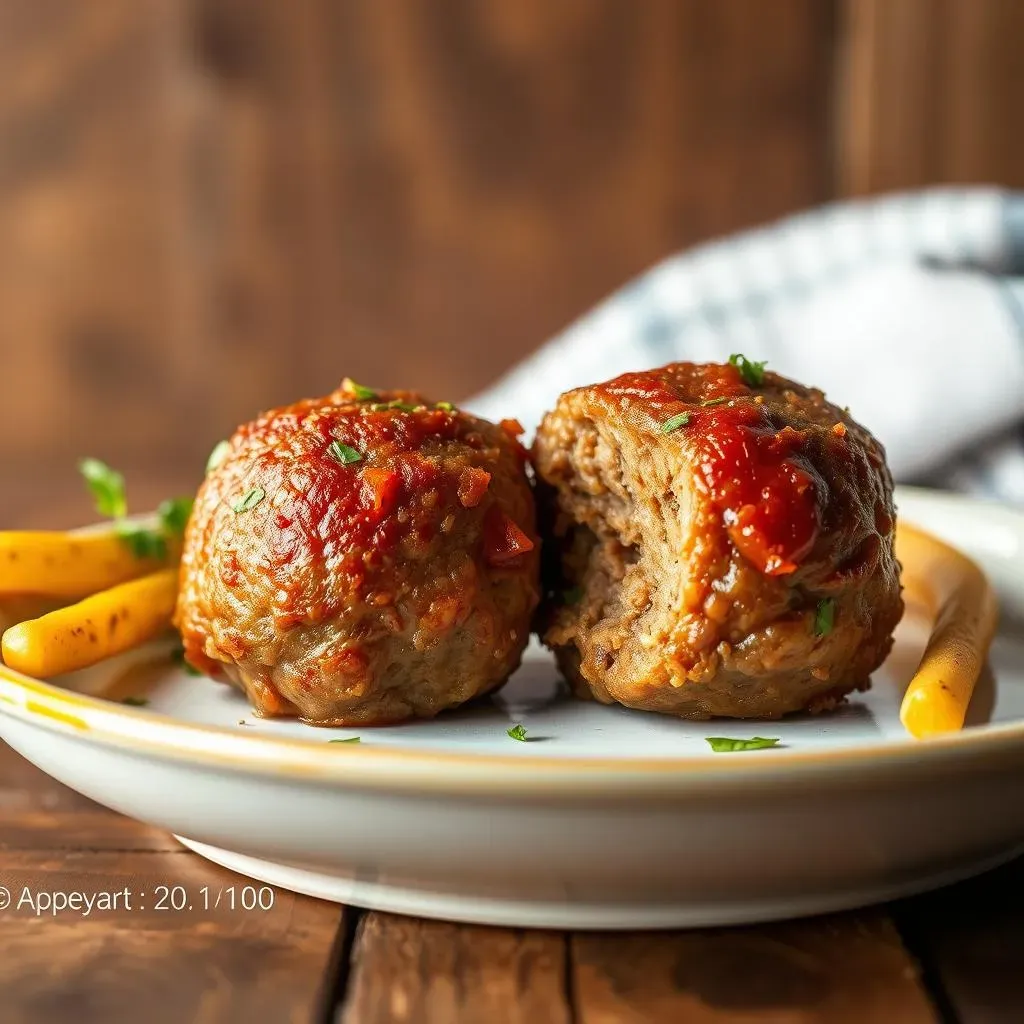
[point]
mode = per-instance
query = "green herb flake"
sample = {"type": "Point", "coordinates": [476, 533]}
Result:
{"type": "Point", "coordinates": [343, 453]}
{"type": "Point", "coordinates": [573, 595]}
{"type": "Point", "coordinates": [362, 393]}
{"type": "Point", "coordinates": [106, 486]}
{"type": "Point", "coordinates": [349, 739]}
{"type": "Point", "coordinates": [707, 403]}
{"type": "Point", "coordinates": [517, 732]}
{"type": "Point", "coordinates": [178, 657]}
{"type": "Point", "coordinates": [135, 702]}
{"type": "Point", "coordinates": [396, 404]}
{"type": "Point", "coordinates": [726, 744]}
{"type": "Point", "coordinates": [174, 515]}
{"type": "Point", "coordinates": [824, 617]}
{"type": "Point", "coordinates": [249, 500]}
{"type": "Point", "coordinates": [445, 406]}
{"type": "Point", "coordinates": [751, 372]}
{"type": "Point", "coordinates": [220, 452]}
{"type": "Point", "coordinates": [144, 542]}
{"type": "Point", "coordinates": [675, 422]}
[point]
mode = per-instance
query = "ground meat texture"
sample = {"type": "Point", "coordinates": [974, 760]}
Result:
{"type": "Point", "coordinates": [717, 543]}
{"type": "Point", "coordinates": [362, 558]}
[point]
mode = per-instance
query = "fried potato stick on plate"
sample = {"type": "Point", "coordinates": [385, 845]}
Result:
{"type": "Point", "coordinates": [101, 626]}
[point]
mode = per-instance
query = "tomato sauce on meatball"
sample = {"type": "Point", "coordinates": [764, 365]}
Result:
{"type": "Point", "coordinates": [362, 558]}
{"type": "Point", "coordinates": [719, 542]}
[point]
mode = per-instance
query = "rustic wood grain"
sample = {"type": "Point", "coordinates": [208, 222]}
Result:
{"type": "Point", "coordinates": [166, 967]}
{"type": "Point", "coordinates": [429, 972]}
{"type": "Point", "coordinates": [211, 206]}
{"type": "Point", "coordinates": [835, 970]}
{"type": "Point", "coordinates": [178, 966]}
{"type": "Point", "coordinates": [927, 93]}
{"type": "Point", "coordinates": [970, 941]}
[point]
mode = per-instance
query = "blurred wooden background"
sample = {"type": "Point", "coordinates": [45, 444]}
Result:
{"type": "Point", "coordinates": [212, 206]}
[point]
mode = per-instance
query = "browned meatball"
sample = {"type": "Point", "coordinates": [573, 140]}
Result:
{"type": "Point", "coordinates": [719, 542]}
{"type": "Point", "coordinates": [362, 558]}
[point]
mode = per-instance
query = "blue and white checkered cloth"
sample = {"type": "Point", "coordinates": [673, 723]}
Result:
{"type": "Point", "coordinates": [908, 309]}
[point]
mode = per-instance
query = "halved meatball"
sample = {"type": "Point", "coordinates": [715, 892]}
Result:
{"type": "Point", "coordinates": [719, 542]}
{"type": "Point", "coordinates": [362, 558]}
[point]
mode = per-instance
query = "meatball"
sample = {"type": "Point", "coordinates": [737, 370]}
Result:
{"type": "Point", "coordinates": [362, 558]}
{"type": "Point", "coordinates": [718, 542]}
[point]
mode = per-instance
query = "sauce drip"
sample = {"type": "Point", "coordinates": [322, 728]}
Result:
{"type": "Point", "coordinates": [752, 472]}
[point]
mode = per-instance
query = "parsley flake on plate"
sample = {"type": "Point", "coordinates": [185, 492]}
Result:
{"type": "Point", "coordinates": [178, 657]}
{"type": "Point", "coordinates": [135, 702]}
{"type": "Point", "coordinates": [348, 739]}
{"type": "Point", "coordinates": [751, 372]}
{"type": "Point", "coordinates": [726, 744]}
{"type": "Point", "coordinates": [517, 732]}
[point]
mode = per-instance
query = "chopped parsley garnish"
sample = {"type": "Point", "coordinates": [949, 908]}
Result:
{"type": "Point", "coordinates": [106, 486]}
{"type": "Point", "coordinates": [824, 617]}
{"type": "Point", "coordinates": [151, 542]}
{"type": "Point", "coordinates": [218, 455]}
{"type": "Point", "coordinates": [517, 732]}
{"type": "Point", "coordinates": [396, 404]}
{"type": "Point", "coordinates": [573, 595]}
{"type": "Point", "coordinates": [249, 500]}
{"type": "Point", "coordinates": [135, 702]}
{"type": "Point", "coordinates": [174, 514]}
{"type": "Point", "coordinates": [446, 406]}
{"type": "Point", "coordinates": [143, 541]}
{"type": "Point", "coordinates": [178, 657]}
{"type": "Point", "coordinates": [349, 739]}
{"type": "Point", "coordinates": [363, 393]}
{"type": "Point", "coordinates": [751, 372]}
{"type": "Point", "coordinates": [726, 744]}
{"type": "Point", "coordinates": [343, 453]}
{"type": "Point", "coordinates": [675, 422]}
{"type": "Point", "coordinates": [707, 403]}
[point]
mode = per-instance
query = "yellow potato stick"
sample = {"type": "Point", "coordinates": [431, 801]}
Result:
{"type": "Point", "coordinates": [71, 565]}
{"type": "Point", "coordinates": [963, 603]}
{"type": "Point", "coordinates": [99, 627]}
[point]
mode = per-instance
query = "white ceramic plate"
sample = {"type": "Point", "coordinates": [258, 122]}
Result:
{"type": "Point", "coordinates": [605, 818]}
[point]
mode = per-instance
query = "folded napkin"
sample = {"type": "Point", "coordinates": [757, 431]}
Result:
{"type": "Point", "coordinates": [906, 309]}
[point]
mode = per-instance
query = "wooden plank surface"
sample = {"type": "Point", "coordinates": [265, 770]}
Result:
{"type": "Point", "coordinates": [970, 939]}
{"type": "Point", "coordinates": [430, 972]}
{"type": "Point", "coordinates": [834, 970]}
{"type": "Point", "coordinates": [837, 970]}
{"type": "Point", "coordinates": [135, 961]}
{"type": "Point", "coordinates": [928, 92]}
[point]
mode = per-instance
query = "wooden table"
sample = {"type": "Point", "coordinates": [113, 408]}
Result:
{"type": "Point", "coordinates": [953, 956]}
